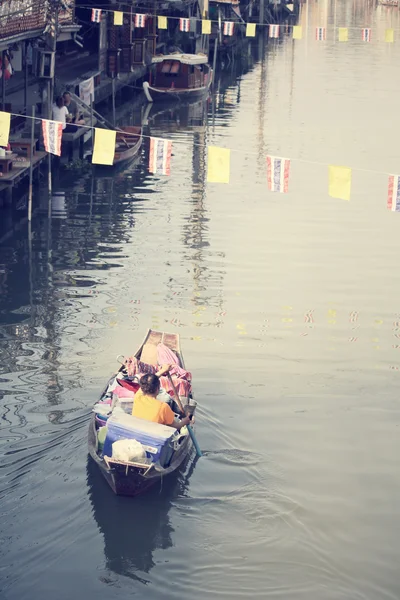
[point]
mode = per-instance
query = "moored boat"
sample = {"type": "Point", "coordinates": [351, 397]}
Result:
{"type": "Point", "coordinates": [167, 449]}
{"type": "Point", "coordinates": [127, 144]}
{"type": "Point", "coordinates": [178, 77]}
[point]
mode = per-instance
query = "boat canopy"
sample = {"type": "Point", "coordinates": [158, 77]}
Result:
{"type": "Point", "coordinates": [187, 59]}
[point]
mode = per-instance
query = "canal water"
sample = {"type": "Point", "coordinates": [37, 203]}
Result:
{"type": "Point", "coordinates": [288, 311]}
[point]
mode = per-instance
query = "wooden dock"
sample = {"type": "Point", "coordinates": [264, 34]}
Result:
{"type": "Point", "coordinates": [10, 180]}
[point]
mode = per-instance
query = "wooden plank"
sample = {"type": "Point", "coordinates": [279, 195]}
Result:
{"type": "Point", "coordinates": [17, 174]}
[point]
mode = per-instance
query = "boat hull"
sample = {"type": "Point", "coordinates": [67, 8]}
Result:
{"type": "Point", "coordinates": [154, 94]}
{"type": "Point", "coordinates": [128, 480]}
{"type": "Point", "coordinates": [122, 156]}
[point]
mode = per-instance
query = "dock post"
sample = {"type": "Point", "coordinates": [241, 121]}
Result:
{"type": "Point", "coordinates": [25, 46]}
{"type": "Point", "coordinates": [113, 97]}
{"type": "Point", "coordinates": [215, 59]}
{"type": "Point", "coordinates": [91, 122]}
{"type": "Point", "coordinates": [261, 16]}
{"type": "Point", "coordinates": [3, 81]}
{"type": "Point", "coordinates": [31, 165]}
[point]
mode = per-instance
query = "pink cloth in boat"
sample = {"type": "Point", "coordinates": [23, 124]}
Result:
{"type": "Point", "coordinates": [166, 356]}
{"type": "Point", "coordinates": [180, 377]}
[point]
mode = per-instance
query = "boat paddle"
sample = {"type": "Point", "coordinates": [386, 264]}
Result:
{"type": "Point", "coordinates": [189, 427]}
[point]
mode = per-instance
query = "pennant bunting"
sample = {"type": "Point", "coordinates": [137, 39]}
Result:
{"type": "Point", "coordinates": [118, 17]}
{"type": "Point", "coordinates": [393, 201]}
{"type": "Point", "coordinates": [5, 119]}
{"type": "Point", "coordinates": [366, 34]}
{"type": "Point", "coordinates": [205, 26]}
{"type": "Point", "coordinates": [52, 134]}
{"type": "Point", "coordinates": [343, 34]}
{"type": "Point", "coordinates": [297, 32]}
{"type": "Point", "coordinates": [389, 35]}
{"type": "Point", "coordinates": [184, 24]}
{"type": "Point", "coordinates": [162, 22]}
{"type": "Point", "coordinates": [218, 164]}
{"type": "Point", "coordinates": [251, 30]}
{"type": "Point", "coordinates": [96, 15]}
{"type": "Point", "coordinates": [278, 174]}
{"type": "Point", "coordinates": [104, 147]}
{"type": "Point", "coordinates": [140, 20]}
{"type": "Point", "coordinates": [274, 31]}
{"type": "Point", "coordinates": [320, 34]}
{"type": "Point", "coordinates": [160, 156]}
{"type": "Point", "coordinates": [339, 182]}
{"type": "Point", "coordinates": [228, 27]}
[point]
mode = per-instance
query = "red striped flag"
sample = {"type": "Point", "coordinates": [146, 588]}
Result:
{"type": "Point", "coordinates": [184, 24]}
{"type": "Point", "coordinates": [140, 20]}
{"type": "Point", "coordinates": [278, 174]}
{"type": "Point", "coordinates": [274, 31]}
{"type": "Point", "coordinates": [366, 34]}
{"type": "Point", "coordinates": [320, 34]}
{"type": "Point", "coordinates": [393, 200]}
{"type": "Point", "coordinates": [96, 15]}
{"type": "Point", "coordinates": [160, 156]}
{"type": "Point", "coordinates": [228, 27]}
{"type": "Point", "coordinates": [52, 134]}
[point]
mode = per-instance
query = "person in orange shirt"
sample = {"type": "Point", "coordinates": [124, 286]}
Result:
{"type": "Point", "coordinates": [146, 406]}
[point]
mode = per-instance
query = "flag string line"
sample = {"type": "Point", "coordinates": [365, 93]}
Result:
{"type": "Point", "coordinates": [283, 26]}
{"type": "Point", "coordinates": [126, 133]}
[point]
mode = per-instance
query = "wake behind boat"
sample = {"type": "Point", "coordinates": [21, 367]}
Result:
{"type": "Point", "coordinates": [161, 449]}
{"type": "Point", "coordinates": [178, 77]}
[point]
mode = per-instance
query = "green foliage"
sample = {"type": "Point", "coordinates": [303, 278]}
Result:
{"type": "Point", "coordinates": [78, 165]}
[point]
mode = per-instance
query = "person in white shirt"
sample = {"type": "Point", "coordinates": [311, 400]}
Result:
{"type": "Point", "coordinates": [61, 114]}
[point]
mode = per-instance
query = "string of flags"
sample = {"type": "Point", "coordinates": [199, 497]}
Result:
{"type": "Point", "coordinates": [274, 30]}
{"type": "Point", "coordinates": [218, 163]}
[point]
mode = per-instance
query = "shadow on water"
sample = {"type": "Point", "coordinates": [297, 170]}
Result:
{"type": "Point", "coordinates": [134, 528]}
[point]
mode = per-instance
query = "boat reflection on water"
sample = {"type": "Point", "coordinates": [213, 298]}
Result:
{"type": "Point", "coordinates": [184, 115]}
{"type": "Point", "coordinates": [134, 528]}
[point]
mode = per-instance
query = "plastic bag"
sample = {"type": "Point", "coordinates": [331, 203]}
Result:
{"type": "Point", "coordinates": [128, 451]}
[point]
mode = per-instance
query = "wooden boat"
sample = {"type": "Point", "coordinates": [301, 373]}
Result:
{"type": "Point", "coordinates": [178, 76]}
{"type": "Point", "coordinates": [127, 144]}
{"type": "Point", "coordinates": [133, 478]}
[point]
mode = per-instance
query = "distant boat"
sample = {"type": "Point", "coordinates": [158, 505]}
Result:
{"type": "Point", "coordinates": [178, 77]}
{"type": "Point", "coordinates": [389, 2]}
{"type": "Point", "coordinates": [127, 144]}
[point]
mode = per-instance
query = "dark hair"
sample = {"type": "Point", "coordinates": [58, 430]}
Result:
{"type": "Point", "coordinates": [150, 384]}
{"type": "Point", "coordinates": [60, 101]}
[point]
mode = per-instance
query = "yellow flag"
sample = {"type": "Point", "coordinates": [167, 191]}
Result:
{"type": "Point", "coordinates": [339, 182]}
{"type": "Point", "coordinates": [205, 26]}
{"type": "Point", "coordinates": [218, 164]}
{"type": "Point", "coordinates": [297, 32]}
{"type": "Point", "coordinates": [104, 147]}
{"type": "Point", "coordinates": [343, 34]}
{"type": "Point", "coordinates": [4, 128]}
{"type": "Point", "coordinates": [250, 30]}
{"type": "Point", "coordinates": [389, 35]}
{"type": "Point", "coordinates": [162, 22]}
{"type": "Point", "coordinates": [118, 17]}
